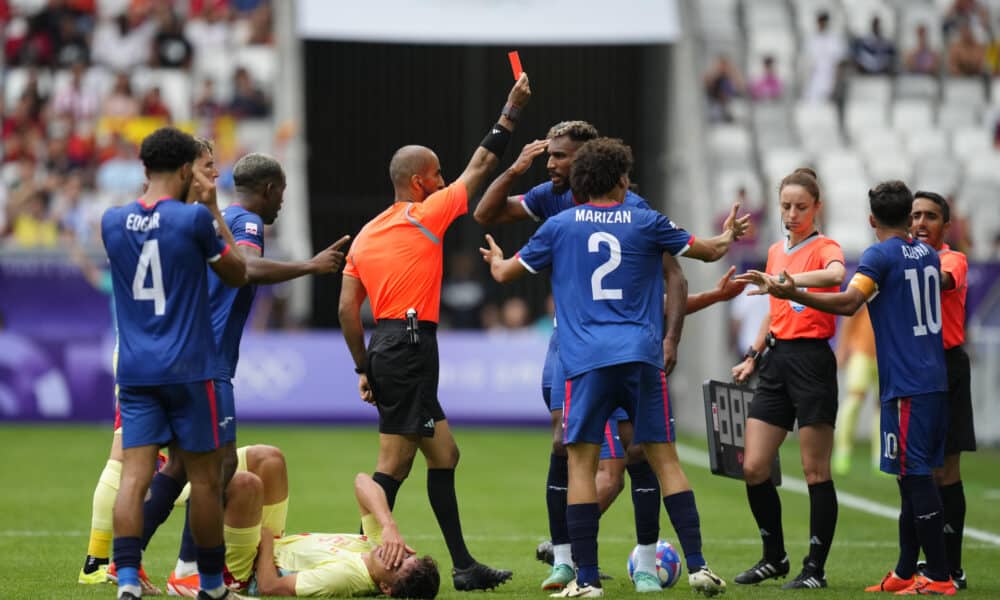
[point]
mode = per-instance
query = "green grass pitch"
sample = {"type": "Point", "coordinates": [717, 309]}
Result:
{"type": "Point", "coordinates": [48, 475]}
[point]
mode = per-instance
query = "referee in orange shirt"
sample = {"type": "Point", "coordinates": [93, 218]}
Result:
{"type": "Point", "coordinates": [931, 218]}
{"type": "Point", "coordinates": [396, 261]}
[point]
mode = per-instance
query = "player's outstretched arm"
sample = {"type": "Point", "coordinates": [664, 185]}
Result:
{"type": "Point", "coordinates": [484, 160]}
{"type": "Point", "coordinates": [352, 295]}
{"type": "Point", "coordinates": [372, 501]}
{"type": "Point", "coordinates": [263, 270]}
{"type": "Point", "coordinates": [712, 249]}
{"type": "Point", "coordinates": [726, 289]}
{"type": "Point", "coordinates": [269, 581]}
{"type": "Point", "coordinates": [839, 303]}
{"type": "Point", "coordinates": [829, 276]}
{"type": "Point", "coordinates": [497, 206]}
{"type": "Point", "coordinates": [674, 309]}
{"type": "Point", "coordinates": [502, 270]}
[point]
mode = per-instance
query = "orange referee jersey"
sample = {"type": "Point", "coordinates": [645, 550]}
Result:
{"type": "Point", "coordinates": [397, 255]}
{"type": "Point", "coordinates": [791, 320]}
{"type": "Point", "coordinates": [953, 300]}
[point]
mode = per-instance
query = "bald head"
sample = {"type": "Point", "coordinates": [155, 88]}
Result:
{"type": "Point", "coordinates": [409, 161]}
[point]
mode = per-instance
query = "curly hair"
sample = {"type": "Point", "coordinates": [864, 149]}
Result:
{"type": "Point", "coordinates": [599, 166]}
{"type": "Point", "coordinates": [891, 202]}
{"type": "Point", "coordinates": [168, 149]}
{"type": "Point", "coordinates": [578, 131]}
{"type": "Point", "coordinates": [422, 581]}
{"type": "Point", "coordinates": [255, 170]}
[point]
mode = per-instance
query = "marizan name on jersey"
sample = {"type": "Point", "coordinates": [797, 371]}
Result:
{"type": "Point", "coordinates": [587, 215]}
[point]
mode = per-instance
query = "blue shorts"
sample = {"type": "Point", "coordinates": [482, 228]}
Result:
{"type": "Point", "coordinates": [551, 359]}
{"type": "Point", "coordinates": [913, 434]}
{"type": "Point", "coordinates": [638, 388]}
{"type": "Point", "coordinates": [186, 413]}
{"type": "Point", "coordinates": [227, 410]}
{"type": "Point", "coordinates": [611, 445]}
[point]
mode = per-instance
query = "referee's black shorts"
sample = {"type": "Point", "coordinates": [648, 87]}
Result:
{"type": "Point", "coordinates": [797, 381]}
{"type": "Point", "coordinates": [961, 431]}
{"type": "Point", "coordinates": [404, 378]}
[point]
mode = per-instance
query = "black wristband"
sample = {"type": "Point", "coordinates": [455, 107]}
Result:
{"type": "Point", "coordinates": [496, 140]}
{"type": "Point", "coordinates": [359, 370]}
{"type": "Point", "coordinates": [511, 111]}
{"type": "Point", "coordinates": [751, 353]}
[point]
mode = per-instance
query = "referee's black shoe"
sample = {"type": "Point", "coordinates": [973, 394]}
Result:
{"type": "Point", "coordinates": [763, 571]}
{"type": "Point", "coordinates": [479, 577]}
{"type": "Point", "coordinates": [810, 578]}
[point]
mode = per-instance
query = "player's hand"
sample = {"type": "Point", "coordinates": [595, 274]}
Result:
{"type": "Point", "coordinates": [204, 188]}
{"type": "Point", "coordinates": [728, 288]}
{"type": "Point", "coordinates": [669, 356]}
{"type": "Point", "coordinates": [744, 370]}
{"type": "Point", "coordinates": [762, 280]}
{"type": "Point", "coordinates": [365, 389]}
{"type": "Point", "coordinates": [783, 286]}
{"type": "Point", "coordinates": [737, 225]}
{"type": "Point", "coordinates": [528, 154]}
{"type": "Point", "coordinates": [330, 260]}
{"type": "Point", "coordinates": [492, 253]}
{"type": "Point", "coordinates": [393, 550]}
{"type": "Point", "coordinates": [521, 92]}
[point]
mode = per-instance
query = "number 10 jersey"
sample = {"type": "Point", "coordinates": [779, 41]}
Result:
{"type": "Point", "coordinates": [159, 255]}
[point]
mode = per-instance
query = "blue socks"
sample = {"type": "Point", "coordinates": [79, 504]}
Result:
{"type": "Point", "coordinates": [928, 518]}
{"type": "Point", "coordinates": [188, 551]}
{"type": "Point", "coordinates": [211, 561]}
{"type": "Point", "coordinates": [684, 517]}
{"type": "Point", "coordinates": [645, 502]}
{"type": "Point", "coordinates": [909, 547]}
{"type": "Point", "coordinates": [555, 498]}
{"type": "Point", "coordinates": [583, 521]}
{"type": "Point", "coordinates": [128, 558]}
{"type": "Point", "coordinates": [163, 491]}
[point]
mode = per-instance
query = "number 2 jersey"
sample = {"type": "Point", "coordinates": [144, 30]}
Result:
{"type": "Point", "coordinates": [231, 306]}
{"type": "Point", "coordinates": [159, 255]}
{"type": "Point", "coordinates": [902, 281]}
{"type": "Point", "coordinates": [607, 265]}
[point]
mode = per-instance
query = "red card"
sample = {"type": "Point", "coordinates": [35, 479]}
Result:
{"type": "Point", "coordinates": [515, 64]}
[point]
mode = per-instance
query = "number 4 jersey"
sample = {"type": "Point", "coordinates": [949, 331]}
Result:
{"type": "Point", "coordinates": [159, 255]}
{"type": "Point", "coordinates": [902, 281]}
{"type": "Point", "coordinates": [607, 265]}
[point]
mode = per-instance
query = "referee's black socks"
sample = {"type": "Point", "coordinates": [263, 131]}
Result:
{"type": "Point", "coordinates": [823, 510]}
{"type": "Point", "coordinates": [953, 499]}
{"type": "Point", "coordinates": [766, 508]}
{"type": "Point", "coordinates": [389, 485]}
{"type": "Point", "coordinates": [441, 493]}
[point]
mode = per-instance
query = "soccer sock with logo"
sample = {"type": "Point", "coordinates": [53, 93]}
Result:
{"type": "Point", "coordinates": [909, 546]}
{"type": "Point", "coordinates": [128, 558]}
{"type": "Point", "coordinates": [929, 518]}
{"type": "Point", "coordinates": [163, 491]}
{"type": "Point", "coordinates": [583, 521]}
{"type": "Point", "coordinates": [766, 508]}
{"type": "Point", "coordinates": [389, 485]}
{"type": "Point", "coordinates": [555, 499]}
{"type": "Point", "coordinates": [101, 519]}
{"type": "Point", "coordinates": [210, 564]}
{"type": "Point", "coordinates": [684, 517]}
{"type": "Point", "coordinates": [645, 502]}
{"type": "Point", "coordinates": [822, 521]}
{"type": "Point", "coordinates": [953, 499]}
{"type": "Point", "coordinates": [441, 492]}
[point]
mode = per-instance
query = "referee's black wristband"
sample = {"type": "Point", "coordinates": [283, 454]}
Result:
{"type": "Point", "coordinates": [359, 370]}
{"type": "Point", "coordinates": [496, 140]}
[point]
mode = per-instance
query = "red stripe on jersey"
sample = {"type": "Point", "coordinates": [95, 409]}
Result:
{"type": "Point", "coordinates": [225, 251]}
{"type": "Point", "coordinates": [210, 388]}
{"type": "Point", "coordinates": [904, 430]}
{"type": "Point", "coordinates": [246, 243]}
{"type": "Point", "coordinates": [569, 392]}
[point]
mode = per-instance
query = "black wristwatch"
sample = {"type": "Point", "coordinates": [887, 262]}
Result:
{"type": "Point", "coordinates": [751, 353]}
{"type": "Point", "coordinates": [511, 111]}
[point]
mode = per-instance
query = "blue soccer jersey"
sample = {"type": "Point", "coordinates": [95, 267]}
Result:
{"type": "Point", "coordinates": [905, 310]}
{"type": "Point", "coordinates": [159, 255]}
{"type": "Point", "coordinates": [602, 258]}
{"type": "Point", "coordinates": [231, 306]}
{"type": "Point", "coordinates": [543, 202]}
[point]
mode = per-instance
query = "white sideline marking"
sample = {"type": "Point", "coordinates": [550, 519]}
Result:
{"type": "Point", "coordinates": [700, 458]}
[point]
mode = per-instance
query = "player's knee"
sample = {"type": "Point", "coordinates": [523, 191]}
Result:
{"type": "Point", "coordinates": [754, 473]}
{"type": "Point", "coordinates": [558, 448]}
{"type": "Point", "coordinates": [817, 473]}
{"type": "Point", "coordinates": [174, 469]}
{"type": "Point", "coordinates": [635, 454]}
{"type": "Point", "coordinates": [268, 461]}
{"type": "Point", "coordinates": [244, 487]}
{"type": "Point", "coordinates": [398, 469]}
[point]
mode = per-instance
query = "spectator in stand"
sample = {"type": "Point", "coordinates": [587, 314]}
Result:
{"type": "Point", "coordinates": [152, 104]}
{"type": "Point", "coordinates": [209, 30]}
{"type": "Point", "coordinates": [972, 12]}
{"type": "Point", "coordinates": [462, 294]}
{"type": "Point", "coordinates": [207, 106]}
{"type": "Point", "coordinates": [72, 46]}
{"type": "Point", "coordinates": [121, 102]}
{"type": "Point", "coordinates": [27, 130]}
{"type": "Point", "coordinates": [257, 28]}
{"type": "Point", "coordinates": [124, 42]}
{"type": "Point", "coordinates": [75, 210]}
{"type": "Point", "coordinates": [722, 83]}
{"type": "Point", "coordinates": [768, 85]}
{"type": "Point", "coordinates": [248, 99]}
{"type": "Point", "coordinates": [922, 59]}
{"type": "Point", "coordinates": [823, 53]}
{"type": "Point", "coordinates": [31, 224]}
{"type": "Point", "coordinates": [171, 49]}
{"type": "Point", "coordinates": [959, 235]}
{"type": "Point", "coordinates": [873, 54]}
{"type": "Point", "coordinates": [77, 100]}
{"type": "Point", "coordinates": [123, 175]}
{"type": "Point", "coordinates": [966, 55]}
{"type": "Point", "coordinates": [515, 314]}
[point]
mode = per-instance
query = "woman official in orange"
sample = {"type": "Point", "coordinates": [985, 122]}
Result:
{"type": "Point", "coordinates": [797, 382]}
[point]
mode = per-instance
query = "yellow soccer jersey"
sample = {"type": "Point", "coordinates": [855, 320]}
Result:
{"type": "Point", "coordinates": [330, 564]}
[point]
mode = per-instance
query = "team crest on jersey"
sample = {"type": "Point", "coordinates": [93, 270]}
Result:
{"type": "Point", "coordinates": [795, 305]}
{"type": "Point", "coordinates": [251, 228]}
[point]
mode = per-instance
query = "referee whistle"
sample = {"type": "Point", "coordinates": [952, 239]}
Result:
{"type": "Point", "coordinates": [411, 326]}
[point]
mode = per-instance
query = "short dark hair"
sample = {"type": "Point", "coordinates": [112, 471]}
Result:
{"type": "Point", "coordinates": [422, 581]}
{"type": "Point", "coordinates": [255, 170]}
{"type": "Point", "coordinates": [578, 131]}
{"type": "Point", "coordinates": [168, 149]}
{"type": "Point", "coordinates": [936, 199]}
{"type": "Point", "coordinates": [598, 166]}
{"type": "Point", "coordinates": [891, 202]}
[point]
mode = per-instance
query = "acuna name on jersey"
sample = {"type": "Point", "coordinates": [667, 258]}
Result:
{"type": "Point", "coordinates": [599, 216]}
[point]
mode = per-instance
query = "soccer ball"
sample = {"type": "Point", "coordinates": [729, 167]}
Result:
{"type": "Point", "coordinates": [668, 563]}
